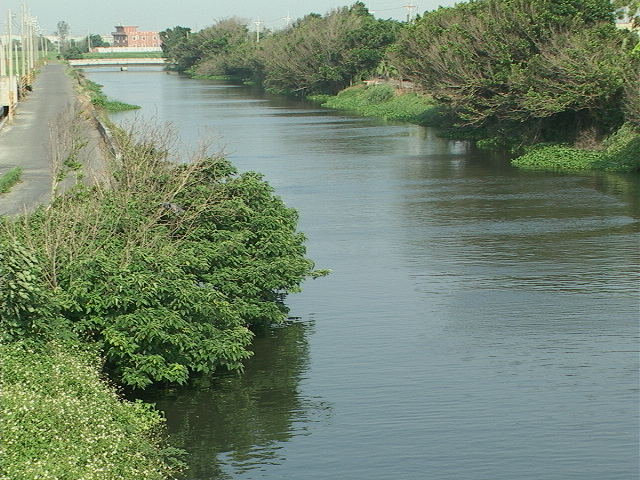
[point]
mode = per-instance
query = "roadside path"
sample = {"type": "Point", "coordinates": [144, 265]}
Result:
{"type": "Point", "coordinates": [31, 140]}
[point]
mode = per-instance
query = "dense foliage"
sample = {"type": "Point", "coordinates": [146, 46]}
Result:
{"type": "Point", "coordinates": [60, 420]}
{"type": "Point", "coordinates": [326, 54]}
{"type": "Point", "coordinates": [167, 270]}
{"type": "Point", "coordinates": [316, 54]}
{"type": "Point", "coordinates": [520, 70]}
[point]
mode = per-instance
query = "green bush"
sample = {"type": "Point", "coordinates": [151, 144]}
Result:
{"type": "Point", "coordinates": [380, 93]}
{"type": "Point", "coordinates": [165, 270]}
{"type": "Point", "coordinates": [622, 150]}
{"type": "Point", "coordinates": [9, 179]}
{"type": "Point", "coordinates": [61, 421]}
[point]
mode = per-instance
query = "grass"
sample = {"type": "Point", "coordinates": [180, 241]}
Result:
{"type": "Point", "coordinates": [380, 101]}
{"type": "Point", "coordinates": [9, 179]}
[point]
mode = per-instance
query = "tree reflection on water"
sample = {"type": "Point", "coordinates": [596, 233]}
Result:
{"type": "Point", "coordinates": [240, 421]}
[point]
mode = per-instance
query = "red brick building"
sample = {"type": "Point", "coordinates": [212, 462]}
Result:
{"type": "Point", "coordinates": [130, 37]}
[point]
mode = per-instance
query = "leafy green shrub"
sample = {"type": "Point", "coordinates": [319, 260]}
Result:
{"type": "Point", "coordinates": [9, 179]}
{"type": "Point", "coordinates": [27, 307]}
{"type": "Point", "coordinates": [558, 157]}
{"type": "Point", "coordinates": [166, 269]}
{"type": "Point", "coordinates": [60, 420]}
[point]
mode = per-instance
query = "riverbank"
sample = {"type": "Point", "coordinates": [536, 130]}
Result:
{"type": "Point", "coordinates": [619, 152]}
{"type": "Point", "coordinates": [60, 417]}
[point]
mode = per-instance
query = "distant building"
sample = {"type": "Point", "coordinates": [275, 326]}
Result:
{"type": "Point", "coordinates": [128, 36]}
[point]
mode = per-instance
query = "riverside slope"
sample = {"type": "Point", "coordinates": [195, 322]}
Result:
{"type": "Point", "coordinates": [37, 131]}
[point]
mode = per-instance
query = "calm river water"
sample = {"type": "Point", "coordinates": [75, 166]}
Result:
{"type": "Point", "coordinates": [480, 323]}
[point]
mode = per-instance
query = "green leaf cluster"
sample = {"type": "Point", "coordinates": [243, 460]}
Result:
{"type": "Point", "coordinates": [558, 157]}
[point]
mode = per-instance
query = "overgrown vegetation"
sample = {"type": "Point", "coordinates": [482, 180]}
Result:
{"type": "Point", "coordinates": [100, 100]}
{"type": "Point", "coordinates": [164, 272]}
{"type": "Point", "coordinates": [620, 153]}
{"type": "Point", "coordinates": [61, 420]}
{"type": "Point", "coordinates": [522, 72]}
{"type": "Point", "coordinates": [9, 179]}
{"type": "Point", "coordinates": [316, 54]}
{"type": "Point", "coordinates": [167, 270]}
{"type": "Point", "coordinates": [325, 54]}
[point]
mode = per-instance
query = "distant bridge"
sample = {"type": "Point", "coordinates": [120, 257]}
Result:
{"type": "Point", "coordinates": [122, 63]}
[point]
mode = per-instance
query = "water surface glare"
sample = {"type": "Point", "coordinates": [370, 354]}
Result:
{"type": "Point", "coordinates": [480, 323]}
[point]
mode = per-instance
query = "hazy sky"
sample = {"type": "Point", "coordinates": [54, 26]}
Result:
{"type": "Point", "coordinates": [100, 17]}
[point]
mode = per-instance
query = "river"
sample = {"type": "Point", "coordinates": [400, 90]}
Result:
{"type": "Point", "coordinates": [480, 323]}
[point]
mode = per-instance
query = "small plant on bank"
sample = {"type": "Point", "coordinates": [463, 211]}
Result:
{"type": "Point", "coordinates": [382, 101]}
{"type": "Point", "coordinates": [9, 179]}
{"type": "Point", "coordinates": [99, 99]}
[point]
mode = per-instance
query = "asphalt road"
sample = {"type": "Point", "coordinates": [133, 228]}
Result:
{"type": "Point", "coordinates": [31, 140]}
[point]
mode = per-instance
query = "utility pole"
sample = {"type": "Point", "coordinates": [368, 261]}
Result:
{"type": "Point", "coordinates": [410, 7]}
{"type": "Point", "coordinates": [10, 50]}
{"type": "Point", "coordinates": [258, 23]}
{"type": "Point", "coordinates": [3, 61]}
{"type": "Point", "coordinates": [12, 78]}
{"type": "Point", "coordinates": [287, 19]}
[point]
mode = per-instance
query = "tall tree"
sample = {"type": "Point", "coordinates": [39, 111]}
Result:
{"type": "Point", "coordinates": [325, 54]}
{"type": "Point", "coordinates": [62, 32]}
{"type": "Point", "coordinates": [171, 39]}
